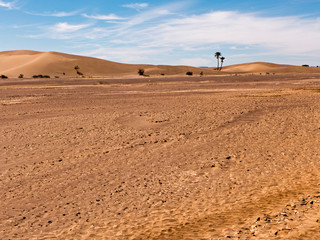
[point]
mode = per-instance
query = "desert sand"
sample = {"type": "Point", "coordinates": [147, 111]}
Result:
{"type": "Point", "coordinates": [213, 157]}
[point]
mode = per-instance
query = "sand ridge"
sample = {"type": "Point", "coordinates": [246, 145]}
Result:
{"type": "Point", "coordinates": [29, 63]}
{"type": "Point", "coordinates": [55, 64]}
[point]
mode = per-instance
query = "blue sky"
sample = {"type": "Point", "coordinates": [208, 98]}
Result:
{"type": "Point", "coordinates": [166, 32]}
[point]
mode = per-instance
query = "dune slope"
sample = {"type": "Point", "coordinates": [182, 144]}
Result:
{"type": "Point", "coordinates": [29, 63]}
{"type": "Point", "coordinates": [13, 63]}
{"type": "Point", "coordinates": [264, 67]}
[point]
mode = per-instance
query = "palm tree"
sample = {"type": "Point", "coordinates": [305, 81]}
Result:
{"type": "Point", "coordinates": [217, 55]}
{"type": "Point", "coordinates": [222, 59]}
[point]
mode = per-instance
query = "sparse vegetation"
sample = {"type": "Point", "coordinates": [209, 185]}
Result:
{"type": "Point", "coordinates": [201, 74]}
{"type": "Point", "coordinates": [305, 65]}
{"type": "Point", "coordinates": [41, 76]}
{"type": "Point", "coordinates": [162, 74]}
{"type": "Point", "coordinates": [21, 75]}
{"type": "Point", "coordinates": [103, 82]}
{"type": "Point", "coordinates": [3, 76]}
{"type": "Point", "coordinates": [222, 60]}
{"type": "Point", "coordinates": [56, 76]}
{"type": "Point", "coordinates": [217, 56]}
{"type": "Point", "coordinates": [77, 68]}
{"type": "Point", "coordinates": [189, 73]}
{"type": "Point", "coordinates": [141, 72]}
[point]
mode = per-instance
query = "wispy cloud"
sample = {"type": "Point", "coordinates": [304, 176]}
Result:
{"type": "Point", "coordinates": [104, 17]}
{"type": "Point", "coordinates": [9, 5]}
{"type": "Point", "coordinates": [136, 6]}
{"type": "Point", "coordinates": [55, 14]}
{"type": "Point", "coordinates": [66, 27]}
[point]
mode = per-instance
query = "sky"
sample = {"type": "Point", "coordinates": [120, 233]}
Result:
{"type": "Point", "coordinates": [167, 32]}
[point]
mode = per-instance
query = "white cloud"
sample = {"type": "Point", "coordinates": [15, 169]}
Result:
{"type": "Point", "coordinates": [123, 54]}
{"type": "Point", "coordinates": [103, 17]}
{"type": "Point", "coordinates": [136, 6]}
{"type": "Point", "coordinates": [195, 62]}
{"type": "Point", "coordinates": [66, 27]}
{"type": "Point", "coordinates": [55, 14]}
{"type": "Point", "coordinates": [9, 5]}
{"type": "Point", "coordinates": [287, 35]}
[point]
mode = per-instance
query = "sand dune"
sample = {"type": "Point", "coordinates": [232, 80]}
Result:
{"type": "Point", "coordinates": [13, 63]}
{"type": "Point", "coordinates": [28, 63]}
{"type": "Point", "coordinates": [264, 67]}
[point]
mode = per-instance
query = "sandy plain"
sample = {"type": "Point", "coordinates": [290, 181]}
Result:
{"type": "Point", "coordinates": [223, 157]}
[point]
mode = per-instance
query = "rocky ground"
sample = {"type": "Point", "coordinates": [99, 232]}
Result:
{"type": "Point", "coordinates": [181, 158]}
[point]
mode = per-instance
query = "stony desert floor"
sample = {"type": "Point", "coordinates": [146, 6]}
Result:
{"type": "Point", "coordinates": [234, 157]}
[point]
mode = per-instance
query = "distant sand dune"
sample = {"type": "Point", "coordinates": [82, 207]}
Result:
{"type": "Point", "coordinates": [13, 63]}
{"type": "Point", "coordinates": [264, 67]}
{"type": "Point", "coordinates": [28, 63]}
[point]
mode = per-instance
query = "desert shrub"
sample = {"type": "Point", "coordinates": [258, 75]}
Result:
{"type": "Point", "coordinates": [201, 73]}
{"type": "Point", "coordinates": [41, 76]}
{"type": "Point", "coordinates": [189, 73]}
{"type": "Point", "coordinates": [79, 73]}
{"type": "Point", "coordinates": [162, 74]}
{"type": "Point", "coordinates": [305, 65]}
{"type": "Point", "coordinates": [21, 75]}
{"type": "Point", "coordinates": [103, 82]}
{"type": "Point", "coordinates": [267, 73]}
{"type": "Point", "coordinates": [76, 67]}
{"type": "Point", "coordinates": [141, 71]}
{"type": "Point", "coordinates": [3, 76]}
{"type": "Point", "coordinates": [56, 76]}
